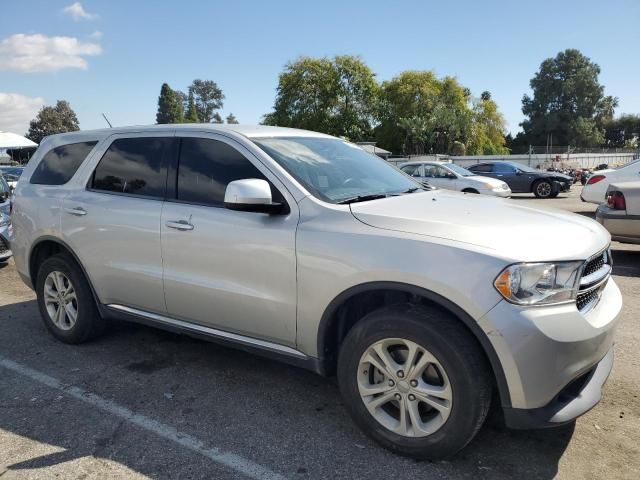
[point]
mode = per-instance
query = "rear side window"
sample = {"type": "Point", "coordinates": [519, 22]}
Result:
{"type": "Point", "coordinates": [135, 166]}
{"type": "Point", "coordinates": [207, 166]}
{"type": "Point", "coordinates": [483, 167]}
{"type": "Point", "coordinates": [61, 163]}
{"type": "Point", "coordinates": [503, 168]}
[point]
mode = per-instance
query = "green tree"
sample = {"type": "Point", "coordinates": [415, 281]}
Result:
{"type": "Point", "coordinates": [488, 128]}
{"type": "Point", "coordinates": [192, 113]}
{"type": "Point", "coordinates": [568, 102]}
{"type": "Point", "coordinates": [208, 99]}
{"type": "Point", "coordinates": [335, 96]}
{"type": "Point", "coordinates": [231, 119]}
{"type": "Point", "coordinates": [420, 113]}
{"type": "Point", "coordinates": [170, 108]}
{"type": "Point", "coordinates": [51, 120]}
{"type": "Point", "coordinates": [217, 118]}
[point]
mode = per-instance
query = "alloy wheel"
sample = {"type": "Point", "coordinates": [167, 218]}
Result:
{"type": "Point", "coordinates": [543, 189]}
{"type": "Point", "coordinates": [404, 387]}
{"type": "Point", "coordinates": [60, 300]}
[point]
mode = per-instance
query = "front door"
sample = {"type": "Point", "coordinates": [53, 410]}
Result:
{"type": "Point", "coordinates": [231, 270]}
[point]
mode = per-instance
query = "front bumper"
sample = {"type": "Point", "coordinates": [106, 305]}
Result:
{"type": "Point", "coordinates": [563, 186]}
{"type": "Point", "coordinates": [577, 398]}
{"type": "Point", "coordinates": [543, 350]}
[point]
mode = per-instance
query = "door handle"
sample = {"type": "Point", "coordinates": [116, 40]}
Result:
{"type": "Point", "coordinates": [179, 225]}
{"type": "Point", "coordinates": [77, 211]}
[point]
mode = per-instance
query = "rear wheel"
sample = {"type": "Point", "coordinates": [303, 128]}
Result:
{"type": "Point", "coordinates": [543, 189]}
{"type": "Point", "coordinates": [66, 302]}
{"type": "Point", "coordinates": [414, 380]}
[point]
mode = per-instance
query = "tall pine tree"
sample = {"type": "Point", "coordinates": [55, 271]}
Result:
{"type": "Point", "coordinates": [192, 112]}
{"type": "Point", "coordinates": [170, 109]}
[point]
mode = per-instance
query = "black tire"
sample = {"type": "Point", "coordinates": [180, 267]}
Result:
{"type": "Point", "coordinates": [457, 351]}
{"type": "Point", "coordinates": [470, 190]}
{"type": "Point", "coordinates": [543, 189]}
{"type": "Point", "coordinates": [89, 323]}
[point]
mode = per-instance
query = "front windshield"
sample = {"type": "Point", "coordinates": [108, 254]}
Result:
{"type": "Point", "coordinates": [335, 170]}
{"type": "Point", "coordinates": [463, 172]}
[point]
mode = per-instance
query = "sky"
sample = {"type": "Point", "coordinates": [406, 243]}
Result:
{"type": "Point", "coordinates": [112, 56]}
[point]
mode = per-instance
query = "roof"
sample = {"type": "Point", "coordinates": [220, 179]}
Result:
{"type": "Point", "coordinates": [249, 131]}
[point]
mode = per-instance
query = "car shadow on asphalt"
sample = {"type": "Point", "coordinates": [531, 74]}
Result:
{"type": "Point", "coordinates": [285, 418]}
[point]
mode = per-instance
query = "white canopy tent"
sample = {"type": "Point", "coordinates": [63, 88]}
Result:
{"type": "Point", "coordinates": [12, 140]}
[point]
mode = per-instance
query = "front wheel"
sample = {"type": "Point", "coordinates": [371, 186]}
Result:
{"type": "Point", "coordinates": [543, 189]}
{"type": "Point", "coordinates": [414, 380]}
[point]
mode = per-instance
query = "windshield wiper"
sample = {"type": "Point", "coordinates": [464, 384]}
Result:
{"type": "Point", "coordinates": [411, 190]}
{"type": "Point", "coordinates": [361, 198]}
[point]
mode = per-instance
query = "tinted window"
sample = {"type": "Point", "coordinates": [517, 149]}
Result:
{"type": "Point", "coordinates": [503, 168]}
{"type": "Point", "coordinates": [413, 170]}
{"type": "Point", "coordinates": [60, 164]}
{"type": "Point", "coordinates": [135, 166]}
{"type": "Point", "coordinates": [207, 166]}
{"type": "Point", "coordinates": [483, 167]}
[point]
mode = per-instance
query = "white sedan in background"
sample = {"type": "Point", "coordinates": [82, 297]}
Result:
{"type": "Point", "coordinates": [597, 184]}
{"type": "Point", "coordinates": [450, 176]}
{"type": "Point", "coordinates": [621, 212]}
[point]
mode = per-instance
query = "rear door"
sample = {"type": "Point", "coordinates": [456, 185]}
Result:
{"type": "Point", "coordinates": [225, 269]}
{"type": "Point", "coordinates": [113, 224]}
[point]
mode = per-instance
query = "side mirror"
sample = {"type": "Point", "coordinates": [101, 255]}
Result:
{"type": "Point", "coordinates": [518, 172]}
{"type": "Point", "coordinates": [451, 176]}
{"type": "Point", "coordinates": [251, 195]}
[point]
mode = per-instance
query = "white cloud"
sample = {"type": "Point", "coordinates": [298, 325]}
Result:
{"type": "Point", "coordinates": [39, 53]}
{"type": "Point", "coordinates": [77, 12]}
{"type": "Point", "coordinates": [16, 111]}
{"type": "Point", "coordinates": [97, 35]}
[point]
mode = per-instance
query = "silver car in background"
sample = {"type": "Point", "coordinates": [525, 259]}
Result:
{"type": "Point", "coordinates": [301, 246]}
{"type": "Point", "coordinates": [454, 177]}
{"type": "Point", "coordinates": [620, 214]}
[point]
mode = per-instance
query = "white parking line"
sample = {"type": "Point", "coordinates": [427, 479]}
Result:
{"type": "Point", "coordinates": [229, 460]}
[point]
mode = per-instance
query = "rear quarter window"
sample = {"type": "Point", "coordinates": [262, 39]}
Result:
{"type": "Point", "coordinates": [61, 163]}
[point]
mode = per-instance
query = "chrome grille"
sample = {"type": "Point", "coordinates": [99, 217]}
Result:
{"type": "Point", "coordinates": [594, 278]}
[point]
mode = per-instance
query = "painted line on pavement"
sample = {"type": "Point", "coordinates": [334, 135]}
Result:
{"type": "Point", "coordinates": [226, 459]}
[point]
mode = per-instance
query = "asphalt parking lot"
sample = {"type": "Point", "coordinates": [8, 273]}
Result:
{"type": "Point", "coordinates": [144, 403]}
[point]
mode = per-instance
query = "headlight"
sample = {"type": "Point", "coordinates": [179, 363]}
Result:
{"type": "Point", "coordinates": [539, 283]}
{"type": "Point", "coordinates": [4, 220]}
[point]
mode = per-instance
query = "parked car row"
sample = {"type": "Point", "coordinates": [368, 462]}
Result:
{"type": "Point", "coordinates": [303, 247]}
{"type": "Point", "coordinates": [11, 175]}
{"type": "Point", "coordinates": [491, 178]}
{"type": "Point", "coordinates": [453, 177]}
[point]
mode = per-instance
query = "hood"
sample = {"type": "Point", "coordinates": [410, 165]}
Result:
{"type": "Point", "coordinates": [494, 182]}
{"type": "Point", "coordinates": [509, 227]}
{"type": "Point", "coordinates": [562, 176]}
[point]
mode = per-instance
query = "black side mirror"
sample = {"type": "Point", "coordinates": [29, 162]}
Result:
{"type": "Point", "coordinates": [451, 176]}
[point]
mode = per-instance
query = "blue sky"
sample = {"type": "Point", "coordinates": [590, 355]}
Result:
{"type": "Point", "coordinates": [124, 50]}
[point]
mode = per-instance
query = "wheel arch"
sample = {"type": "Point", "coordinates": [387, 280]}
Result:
{"type": "Point", "coordinates": [45, 247]}
{"type": "Point", "coordinates": [334, 326]}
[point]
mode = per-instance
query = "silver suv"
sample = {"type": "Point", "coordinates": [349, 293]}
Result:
{"type": "Point", "coordinates": [303, 247]}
